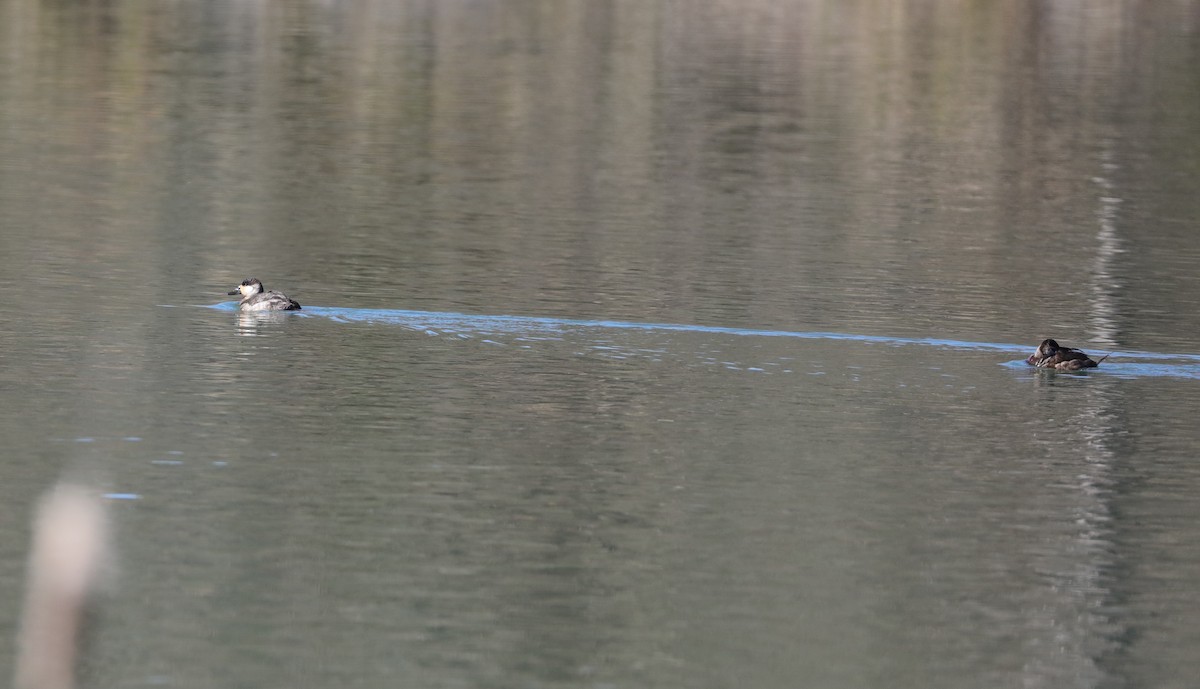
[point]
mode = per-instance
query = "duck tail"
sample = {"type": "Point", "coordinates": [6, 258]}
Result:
{"type": "Point", "coordinates": [1103, 358]}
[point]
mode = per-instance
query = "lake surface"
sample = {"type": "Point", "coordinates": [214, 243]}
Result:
{"type": "Point", "coordinates": [644, 344]}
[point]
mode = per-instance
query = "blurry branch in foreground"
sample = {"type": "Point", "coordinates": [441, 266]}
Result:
{"type": "Point", "coordinates": [69, 545]}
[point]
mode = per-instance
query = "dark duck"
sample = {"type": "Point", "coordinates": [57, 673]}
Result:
{"type": "Point", "coordinates": [1050, 354]}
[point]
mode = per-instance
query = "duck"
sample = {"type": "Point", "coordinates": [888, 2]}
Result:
{"type": "Point", "coordinates": [1050, 354]}
{"type": "Point", "coordinates": [255, 297]}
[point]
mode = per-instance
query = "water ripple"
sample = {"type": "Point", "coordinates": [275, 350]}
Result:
{"type": "Point", "coordinates": [534, 328]}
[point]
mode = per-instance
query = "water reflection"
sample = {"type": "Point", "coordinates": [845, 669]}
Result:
{"type": "Point", "coordinates": [843, 471]}
{"type": "Point", "coordinates": [1072, 627]}
{"type": "Point", "coordinates": [1104, 287]}
{"type": "Point", "coordinates": [248, 322]}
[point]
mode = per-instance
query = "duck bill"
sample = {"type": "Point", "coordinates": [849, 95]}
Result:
{"type": "Point", "coordinates": [234, 292]}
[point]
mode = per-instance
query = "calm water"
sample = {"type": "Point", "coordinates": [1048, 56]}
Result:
{"type": "Point", "coordinates": [645, 344]}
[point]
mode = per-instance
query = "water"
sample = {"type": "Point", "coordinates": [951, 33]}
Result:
{"type": "Point", "coordinates": [642, 345]}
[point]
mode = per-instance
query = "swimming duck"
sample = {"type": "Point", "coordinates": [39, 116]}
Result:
{"type": "Point", "coordinates": [255, 298]}
{"type": "Point", "coordinates": [1050, 355]}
